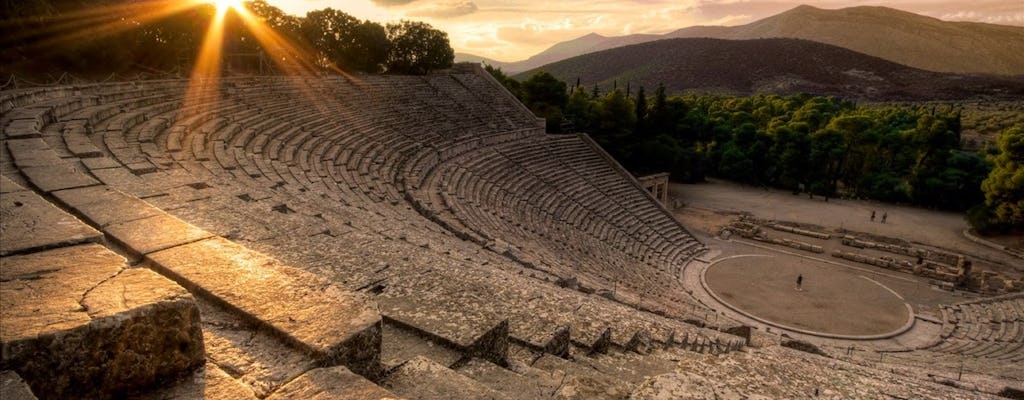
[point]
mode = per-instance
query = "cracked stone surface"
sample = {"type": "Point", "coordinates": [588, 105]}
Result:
{"type": "Point", "coordinates": [331, 383]}
{"type": "Point", "coordinates": [28, 222]}
{"type": "Point", "coordinates": [78, 323]}
{"type": "Point", "coordinates": [421, 378]}
{"type": "Point", "coordinates": [332, 324]}
{"type": "Point", "coordinates": [159, 232]}
{"type": "Point", "coordinates": [56, 177]}
{"type": "Point", "coordinates": [250, 354]}
{"type": "Point", "coordinates": [678, 385]}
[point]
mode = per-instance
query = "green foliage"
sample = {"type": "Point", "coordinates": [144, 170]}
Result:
{"type": "Point", "coordinates": [416, 48]}
{"type": "Point", "coordinates": [345, 42]}
{"type": "Point", "coordinates": [828, 146]}
{"type": "Point", "coordinates": [1004, 187]}
{"type": "Point", "coordinates": [546, 97]}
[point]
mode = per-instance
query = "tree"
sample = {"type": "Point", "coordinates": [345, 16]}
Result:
{"type": "Point", "coordinates": [1004, 187]}
{"type": "Point", "coordinates": [417, 48]}
{"type": "Point", "coordinates": [345, 42]}
{"type": "Point", "coordinates": [641, 113]}
{"type": "Point", "coordinates": [546, 96]}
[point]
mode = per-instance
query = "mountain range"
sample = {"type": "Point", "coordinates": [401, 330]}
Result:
{"type": "Point", "coordinates": [780, 66]}
{"type": "Point", "coordinates": [902, 37]}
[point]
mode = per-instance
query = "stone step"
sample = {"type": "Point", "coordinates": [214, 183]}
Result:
{"type": "Point", "coordinates": [422, 379]}
{"type": "Point", "coordinates": [252, 355]}
{"type": "Point", "coordinates": [334, 383]}
{"type": "Point", "coordinates": [399, 345]}
{"type": "Point", "coordinates": [208, 383]}
{"type": "Point", "coordinates": [581, 380]}
{"type": "Point", "coordinates": [513, 384]}
{"type": "Point", "coordinates": [30, 223]}
{"type": "Point", "coordinates": [78, 322]}
{"type": "Point", "coordinates": [627, 366]}
{"type": "Point", "coordinates": [332, 325]}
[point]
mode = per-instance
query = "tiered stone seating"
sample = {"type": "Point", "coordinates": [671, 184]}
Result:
{"type": "Point", "coordinates": [492, 253]}
{"type": "Point", "coordinates": [989, 328]}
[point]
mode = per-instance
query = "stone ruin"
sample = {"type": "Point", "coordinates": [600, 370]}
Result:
{"type": "Point", "coordinates": [362, 237]}
{"type": "Point", "coordinates": [656, 185]}
{"type": "Point", "coordinates": [946, 270]}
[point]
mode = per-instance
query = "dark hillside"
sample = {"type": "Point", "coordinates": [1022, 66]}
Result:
{"type": "Point", "coordinates": [782, 66]}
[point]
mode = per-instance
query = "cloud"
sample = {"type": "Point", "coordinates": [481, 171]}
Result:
{"type": "Point", "coordinates": [392, 3]}
{"type": "Point", "coordinates": [445, 9]}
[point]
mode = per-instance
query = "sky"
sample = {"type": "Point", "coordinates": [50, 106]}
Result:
{"type": "Point", "coordinates": [507, 30]}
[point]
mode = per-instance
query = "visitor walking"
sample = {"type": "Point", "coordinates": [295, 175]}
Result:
{"type": "Point", "coordinates": [800, 282]}
{"type": "Point", "coordinates": [872, 215]}
{"type": "Point", "coordinates": [885, 215]}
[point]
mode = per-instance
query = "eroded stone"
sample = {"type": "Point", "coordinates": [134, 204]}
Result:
{"type": "Point", "coordinates": [332, 324]}
{"type": "Point", "coordinates": [676, 385]}
{"type": "Point", "coordinates": [57, 177]}
{"type": "Point", "coordinates": [8, 186]}
{"type": "Point", "coordinates": [329, 384]}
{"type": "Point", "coordinates": [159, 232]}
{"type": "Point", "coordinates": [28, 222]}
{"type": "Point", "coordinates": [77, 323]}
{"type": "Point", "coordinates": [207, 383]}
{"type": "Point", "coordinates": [421, 378]}
{"type": "Point", "coordinates": [103, 206]}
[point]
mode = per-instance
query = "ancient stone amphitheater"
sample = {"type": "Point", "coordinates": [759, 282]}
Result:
{"type": "Point", "coordinates": [370, 237]}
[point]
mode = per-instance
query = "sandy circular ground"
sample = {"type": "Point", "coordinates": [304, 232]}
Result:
{"type": "Point", "coordinates": [832, 300]}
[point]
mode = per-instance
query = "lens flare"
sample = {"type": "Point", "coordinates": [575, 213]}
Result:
{"type": "Point", "coordinates": [225, 5]}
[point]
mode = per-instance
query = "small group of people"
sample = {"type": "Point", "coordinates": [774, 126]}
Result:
{"type": "Point", "coordinates": [885, 216]}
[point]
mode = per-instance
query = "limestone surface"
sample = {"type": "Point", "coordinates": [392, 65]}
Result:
{"type": "Point", "coordinates": [333, 325]}
{"type": "Point", "coordinates": [330, 384]}
{"type": "Point", "coordinates": [103, 206]}
{"type": "Point", "coordinates": [78, 323]}
{"type": "Point", "coordinates": [12, 387]}
{"type": "Point", "coordinates": [57, 177]}
{"type": "Point", "coordinates": [28, 222]}
{"type": "Point", "coordinates": [421, 378]}
{"type": "Point", "coordinates": [207, 383]}
{"type": "Point", "coordinates": [159, 232]}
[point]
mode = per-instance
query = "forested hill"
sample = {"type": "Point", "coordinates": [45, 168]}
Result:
{"type": "Point", "coordinates": [898, 36]}
{"type": "Point", "coordinates": [781, 66]}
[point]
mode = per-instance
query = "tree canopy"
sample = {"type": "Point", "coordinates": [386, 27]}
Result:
{"type": "Point", "coordinates": [123, 35]}
{"type": "Point", "coordinates": [1004, 186]}
{"type": "Point", "coordinates": [827, 146]}
{"type": "Point", "coordinates": [416, 48]}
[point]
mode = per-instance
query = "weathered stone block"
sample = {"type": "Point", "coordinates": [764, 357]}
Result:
{"type": "Point", "coordinates": [329, 384]}
{"type": "Point", "coordinates": [28, 222]}
{"type": "Point", "coordinates": [424, 379]}
{"type": "Point", "coordinates": [8, 186]}
{"type": "Point", "coordinates": [331, 324]}
{"type": "Point", "coordinates": [76, 324]}
{"type": "Point", "coordinates": [57, 177]}
{"type": "Point", "coordinates": [103, 206]}
{"type": "Point", "coordinates": [207, 383]}
{"type": "Point", "coordinates": [159, 232]}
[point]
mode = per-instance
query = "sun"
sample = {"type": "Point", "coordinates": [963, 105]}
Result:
{"type": "Point", "coordinates": [224, 5]}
